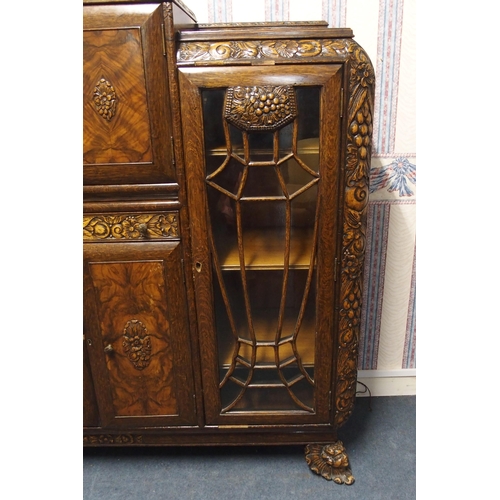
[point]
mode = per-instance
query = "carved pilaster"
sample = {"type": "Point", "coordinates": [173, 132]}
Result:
{"type": "Point", "coordinates": [357, 171]}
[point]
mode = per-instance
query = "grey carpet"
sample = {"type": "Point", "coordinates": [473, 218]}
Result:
{"type": "Point", "coordinates": [380, 443]}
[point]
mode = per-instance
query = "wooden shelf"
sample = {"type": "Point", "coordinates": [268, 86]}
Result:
{"type": "Point", "coordinates": [304, 147]}
{"type": "Point", "coordinates": [264, 249]}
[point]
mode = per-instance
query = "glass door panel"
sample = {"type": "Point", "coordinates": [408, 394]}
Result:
{"type": "Point", "coordinates": [262, 179]}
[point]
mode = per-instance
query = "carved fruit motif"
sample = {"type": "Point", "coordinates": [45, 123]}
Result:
{"type": "Point", "coordinates": [260, 108]}
{"type": "Point", "coordinates": [137, 344]}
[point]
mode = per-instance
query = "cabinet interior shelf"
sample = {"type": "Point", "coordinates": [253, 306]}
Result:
{"type": "Point", "coordinates": [264, 249]}
{"type": "Point", "coordinates": [304, 147]}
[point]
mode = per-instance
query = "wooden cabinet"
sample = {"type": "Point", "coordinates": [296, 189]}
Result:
{"type": "Point", "coordinates": [138, 361]}
{"type": "Point", "coordinates": [224, 230]}
{"type": "Point", "coordinates": [265, 257]}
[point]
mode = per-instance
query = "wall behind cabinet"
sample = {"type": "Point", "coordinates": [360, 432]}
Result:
{"type": "Point", "coordinates": [387, 31]}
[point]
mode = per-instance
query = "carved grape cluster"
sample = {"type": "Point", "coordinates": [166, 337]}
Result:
{"type": "Point", "coordinates": [352, 307]}
{"type": "Point", "coordinates": [260, 108]}
{"type": "Point", "coordinates": [267, 102]}
{"type": "Point", "coordinates": [361, 129]}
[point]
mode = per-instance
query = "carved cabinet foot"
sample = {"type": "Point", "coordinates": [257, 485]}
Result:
{"type": "Point", "coordinates": [330, 461]}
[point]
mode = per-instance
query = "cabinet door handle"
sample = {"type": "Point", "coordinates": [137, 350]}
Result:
{"type": "Point", "coordinates": [108, 348]}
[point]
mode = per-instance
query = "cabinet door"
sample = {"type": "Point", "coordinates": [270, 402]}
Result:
{"type": "Point", "coordinates": [137, 336]}
{"type": "Point", "coordinates": [127, 125]}
{"type": "Point", "coordinates": [90, 409]}
{"type": "Point", "coordinates": [263, 154]}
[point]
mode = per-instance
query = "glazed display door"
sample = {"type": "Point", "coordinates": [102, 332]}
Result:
{"type": "Point", "coordinates": [262, 162]}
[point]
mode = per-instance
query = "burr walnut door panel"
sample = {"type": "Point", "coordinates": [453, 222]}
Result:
{"type": "Point", "coordinates": [263, 153]}
{"type": "Point", "coordinates": [127, 125]}
{"type": "Point", "coordinates": [137, 334]}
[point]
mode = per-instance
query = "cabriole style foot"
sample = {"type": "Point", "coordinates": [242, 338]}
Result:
{"type": "Point", "coordinates": [330, 461]}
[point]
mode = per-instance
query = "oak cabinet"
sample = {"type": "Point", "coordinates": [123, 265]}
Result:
{"type": "Point", "coordinates": [265, 256]}
{"type": "Point", "coordinates": [226, 185]}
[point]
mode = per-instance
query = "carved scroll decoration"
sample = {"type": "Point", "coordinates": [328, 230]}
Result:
{"type": "Point", "coordinates": [137, 344]}
{"type": "Point", "coordinates": [225, 51]}
{"type": "Point", "coordinates": [330, 461]}
{"type": "Point", "coordinates": [357, 172]}
{"type": "Point", "coordinates": [260, 108]}
{"type": "Point", "coordinates": [130, 226]}
{"type": "Point", "coordinates": [111, 439]}
{"type": "Point", "coordinates": [105, 99]}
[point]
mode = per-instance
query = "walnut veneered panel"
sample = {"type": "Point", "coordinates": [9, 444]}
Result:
{"type": "Point", "coordinates": [115, 112]}
{"type": "Point", "coordinates": [136, 333]}
{"type": "Point", "coordinates": [127, 121]}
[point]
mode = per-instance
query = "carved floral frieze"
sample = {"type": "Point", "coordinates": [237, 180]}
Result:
{"type": "Point", "coordinates": [130, 226]}
{"type": "Point", "coordinates": [255, 49]}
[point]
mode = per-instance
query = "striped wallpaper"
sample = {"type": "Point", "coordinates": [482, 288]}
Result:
{"type": "Point", "coordinates": [387, 31]}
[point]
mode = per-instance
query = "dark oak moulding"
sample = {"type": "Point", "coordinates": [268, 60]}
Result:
{"type": "Point", "coordinates": [225, 172]}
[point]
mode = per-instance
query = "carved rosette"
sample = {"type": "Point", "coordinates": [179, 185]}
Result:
{"type": "Point", "coordinates": [359, 133]}
{"type": "Point", "coordinates": [130, 226]}
{"type": "Point", "coordinates": [330, 461]}
{"type": "Point", "coordinates": [105, 99]}
{"type": "Point", "coordinates": [137, 344]}
{"type": "Point", "coordinates": [260, 108]}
